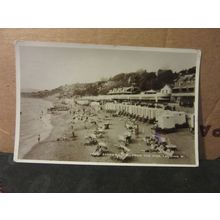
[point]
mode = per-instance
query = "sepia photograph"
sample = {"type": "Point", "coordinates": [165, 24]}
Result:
{"type": "Point", "coordinates": [106, 105]}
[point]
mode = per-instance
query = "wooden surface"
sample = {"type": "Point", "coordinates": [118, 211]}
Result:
{"type": "Point", "coordinates": [208, 40]}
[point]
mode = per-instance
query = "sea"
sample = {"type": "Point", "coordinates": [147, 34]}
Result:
{"type": "Point", "coordinates": [34, 121]}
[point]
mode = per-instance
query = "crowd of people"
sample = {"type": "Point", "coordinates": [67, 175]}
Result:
{"type": "Point", "coordinates": [89, 119]}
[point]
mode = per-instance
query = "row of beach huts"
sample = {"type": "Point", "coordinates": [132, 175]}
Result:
{"type": "Point", "coordinates": [166, 120]}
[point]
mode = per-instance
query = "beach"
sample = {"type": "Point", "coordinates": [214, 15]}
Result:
{"type": "Point", "coordinates": [74, 148]}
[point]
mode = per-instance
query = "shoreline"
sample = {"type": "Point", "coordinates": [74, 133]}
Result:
{"type": "Point", "coordinates": [44, 120]}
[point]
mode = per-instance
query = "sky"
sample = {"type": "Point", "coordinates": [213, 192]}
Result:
{"type": "Point", "coordinates": [50, 67]}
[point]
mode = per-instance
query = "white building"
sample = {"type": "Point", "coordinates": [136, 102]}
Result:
{"type": "Point", "coordinates": [166, 90]}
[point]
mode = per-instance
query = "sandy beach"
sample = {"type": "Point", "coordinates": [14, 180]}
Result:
{"type": "Point", "coordinates": [73, 149]}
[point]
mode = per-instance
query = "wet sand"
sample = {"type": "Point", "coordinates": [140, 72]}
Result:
{"type": "Point", "coordinates": [75, 150]}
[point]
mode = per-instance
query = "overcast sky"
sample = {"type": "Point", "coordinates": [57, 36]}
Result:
{"type": "Point", "coordinates": [50, 67]}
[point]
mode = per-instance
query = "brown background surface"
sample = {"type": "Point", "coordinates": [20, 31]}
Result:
{"type": "Point", "coordinates": [208, 40]}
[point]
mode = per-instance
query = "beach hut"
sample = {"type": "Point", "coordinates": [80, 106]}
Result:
{"type": "Point", "coordinates": [166, 122]}
{"type": "Point", "coordinates": [127, 109]}
{"type": "Point", "coordinates": [132, 110]}
{"type": "Point", "coordinates": [180, 118]}
{"type": "Point", "coordinates": [95, 105]}
{"type": "Point", "coordinates": [135, 111]}
{"type": "Point", "coordinates": [139, 111]}
{"type": "Point", "coordinates": [82, 102]}
{"type": "Point", "coordinates": [105, 106]}
{"type": "Point", "coordinates": [145, 112]}
{"type": "Point", "coordinates": [113, 107]}
{"type": "Point", "coordinates": [159, 112]}
{"type": "Point", "coordinates": [151, 114]}
{"type": "Point", "coordinates": [118, 107]}
{"type": "Point", "coordinates": [191, 121]}
{"type": "Point", "coordinates": [110, 107]}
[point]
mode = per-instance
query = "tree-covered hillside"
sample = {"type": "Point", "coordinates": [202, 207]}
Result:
{"type": "Point", "coordinates": [142, 79]}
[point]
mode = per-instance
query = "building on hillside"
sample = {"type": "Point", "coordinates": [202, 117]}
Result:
{"type": "Point", "coordinates": [184, 90]}
{"type": "Point", "coordinates": [166, 89]}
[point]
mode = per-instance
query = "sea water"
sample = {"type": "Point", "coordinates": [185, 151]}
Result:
{"type": "Point", "coordinates": [34, 121]}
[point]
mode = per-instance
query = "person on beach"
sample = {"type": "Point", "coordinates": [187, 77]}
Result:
{"type": "Point", "coordinates": [38, 138]}
{"type": "Point", "coordinates": [41, 114]}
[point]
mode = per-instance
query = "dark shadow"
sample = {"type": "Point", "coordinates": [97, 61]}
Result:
{"type": "Point", "coordinates": [200, 131]}
{"type": "Point", "coordinates": [21, 177]}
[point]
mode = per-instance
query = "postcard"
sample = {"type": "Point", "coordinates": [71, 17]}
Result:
{"type": "Point", "coordinates": [106, 105]}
